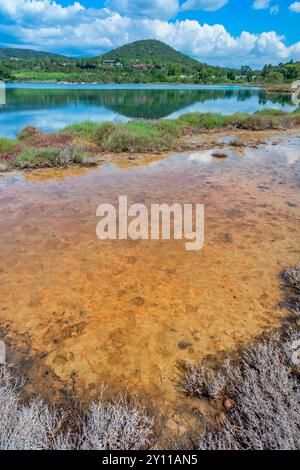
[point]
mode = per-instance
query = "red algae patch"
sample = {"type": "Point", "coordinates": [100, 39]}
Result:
{"type": "Point", "coordinates": [84, 312]}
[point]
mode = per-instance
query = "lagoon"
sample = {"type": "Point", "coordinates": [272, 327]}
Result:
{"type": "Point", "coordinates": [50, 107]}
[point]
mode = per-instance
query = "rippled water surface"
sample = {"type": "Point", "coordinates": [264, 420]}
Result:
{"type": "Point", "coordinates": [80, 312]}
{"type": "Point", "coordinates": [52, 107]}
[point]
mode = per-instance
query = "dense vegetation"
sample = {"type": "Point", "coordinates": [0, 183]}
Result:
{"type": "Point", "coordinates": [164, 65]}
{"type": "Point", "coordinates": [13, 54]}
{"type": "Point", "coordinates": [84, 143]}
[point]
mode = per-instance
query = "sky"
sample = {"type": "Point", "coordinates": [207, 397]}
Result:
{"type": "Point", "coordinates": [219, 32]}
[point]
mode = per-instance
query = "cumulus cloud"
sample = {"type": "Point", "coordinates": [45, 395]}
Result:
{"type": "Point", "coordinates": [261, 4]}
{"type": "Point", "coordinates": [206, 5]}
{"type": "Point", "coordinates": [295, 7]}
{"type": "Point", "coordinates": [266, 4]}
{"type": "Point", "coordinates": [163, 9]}
{"type": "Point", "coordinates": [46, 25]}
{"type": "Point", "coordinates": [274, 10]}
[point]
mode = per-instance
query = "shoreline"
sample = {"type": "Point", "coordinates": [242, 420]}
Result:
{"type": "Point", "coordinates": [88, 143]}
{"type": "Point", "coordinates": [271, 88]}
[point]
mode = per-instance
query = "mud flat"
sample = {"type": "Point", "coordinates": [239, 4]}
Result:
{"type": "Point", "coordinates": [77, 312]}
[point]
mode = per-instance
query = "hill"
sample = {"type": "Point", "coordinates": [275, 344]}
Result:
{"type": "Point", "coordinates": [150, 51]}
{"type": "Point", "coordinates": [7, 53]}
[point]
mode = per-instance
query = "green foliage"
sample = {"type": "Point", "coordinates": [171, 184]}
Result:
{"type": "Point", "coordinates": [27, 158]}
{"type": "Point", "coordinates": [6, 146]}
{"type": "Point", "coordinates": [270, 112]}
{"type": "Point", "coordinates": [15, 54]}
{"type": "Point", "coordinates": [203, 120]}
{"type": "Point", "coordinates": [167, 66]}
{"type": "Point", "coordinates": [150, 52]}
{"type": "Point", "coordinates": [138, 136]}
{"type": "Point", "coordinates": [32, 157]}
{"type": "Point", "coordinates": [259, 122]}
{"type": "Point", "coordinates": [86, 129]}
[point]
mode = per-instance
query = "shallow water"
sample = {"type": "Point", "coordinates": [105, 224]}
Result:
{"type": "Point", "coordinates": [80, 312]}
{"type": "Point", "coordinates": [51, 107]}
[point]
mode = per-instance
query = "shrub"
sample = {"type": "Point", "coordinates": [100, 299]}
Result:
{"type": "Point", "coordinates": [271, 112]}
{"type": "Point", "coordinates": [203, 120]}
{"type": "Point", "coordinates": [27, 159]}
{"type": "Point", "coordinates": [200, 382]}
{"type": "Point", "coordinates": [292, 278]}
{"type": "Point", "coordinates": [85, 129]}
{"type": "Point", "coordinates": [265, 390]}
{"type": "Point", "coordinates": [32, 157]}
{"type": "Point", "coordinates": [6, 146]}
{"type": "Point", "coordinates": [135, 136]}
{"type": "Point", "coordinates": [168, 127]}
{"type": "Point", "coordinates": [34, 426]}
{"type": "Point", "coordinates": [115, 426]}
{"type": "Point", "coordinates": [259, 122]}
{"type": "Point", "coordinates": [28, 133]}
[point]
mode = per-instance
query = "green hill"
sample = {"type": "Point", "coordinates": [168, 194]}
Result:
{"type": "Point", "coordinates": [149, 51]}
{"type": "Point", "coordinates": [7, 53]}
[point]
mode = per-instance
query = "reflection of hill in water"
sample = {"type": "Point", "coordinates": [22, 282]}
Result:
{"type": "Point", "coordinates": [147, 104]}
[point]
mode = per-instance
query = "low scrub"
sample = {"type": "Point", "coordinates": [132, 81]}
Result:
{"type": "Point", "coordinates": [33, 157]}
{"type": "Point", "coordinates": [31, 426]}
{"type": "Point", "coordinates": [198, 121]}
{"type": "Point", "coordinates": [85, 129]}
{"type": "Point", "coordinates": [291, 280]}
{"type": "Point", "coordinates": [7, 146]}
{"type": "Point", "coordinates": [260, 122]}
{"type": "Point", "coordinates": [117, 425]}
{"type": "Point", "coordinates": [136, 136]}
{"type": "Point", "coordinates": [262, 388]}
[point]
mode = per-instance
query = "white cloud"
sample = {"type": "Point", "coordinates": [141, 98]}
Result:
{"type": "Point", "coordinates": [275, 9]}
{"type": "Point", "coordinates": [295, 7]}
{"type": "Point", "coordinates": [206, 5]}
{"type": "Point", "coordinates": [266, 4]}
{"type": "Point", "coordinates": [261, 4]}
{"type": "Point", "coordinates": [163, 9]}
{"type": "Point", "coordinates": [46, 25]}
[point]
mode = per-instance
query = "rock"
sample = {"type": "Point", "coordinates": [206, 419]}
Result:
{"type": "Point", "coordinates": [184, 345]}
{"type": "Point", "coordinates": [229, 404]}
{"type": "Point", "coordinates": [2, 353]}
{"type": "Point", "coordinates": [219, 155]}
{"type": "Point", "coordinates": [138, 301]}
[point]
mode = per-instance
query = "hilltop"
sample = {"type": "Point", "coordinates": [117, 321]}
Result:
{"type": "Point", "coordinates": [7, 53]}
{"type": "Point", "coordinates": [149, 51]}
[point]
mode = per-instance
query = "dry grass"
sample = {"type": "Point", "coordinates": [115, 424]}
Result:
{"type": "Point", "coordinates": [117, 425]}
{"type": "Point", "coordinates": [31, 426]}
{"type": "Point", "coordinates": [265, 389]}
{"type": "Point", "coordinates": [291, 279]}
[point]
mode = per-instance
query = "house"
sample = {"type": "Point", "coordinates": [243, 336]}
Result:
{"type": "Point", "coordinates": [109, 62]}
{"type": "Point", "coordinates": [142, 67]}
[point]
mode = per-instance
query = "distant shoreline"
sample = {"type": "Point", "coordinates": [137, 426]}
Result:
{"type": "Point", "coordinates": [271, 88]}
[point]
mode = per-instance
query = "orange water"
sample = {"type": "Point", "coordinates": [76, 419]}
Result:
{"type": "Point", "coordinates": [78, 312]}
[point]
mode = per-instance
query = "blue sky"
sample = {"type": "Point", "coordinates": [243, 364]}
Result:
{"type": "Point", "coordinates": [223, 32]}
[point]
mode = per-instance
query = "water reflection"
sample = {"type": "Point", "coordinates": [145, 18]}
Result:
{"type": "Point", "coordinates": [52, 108]}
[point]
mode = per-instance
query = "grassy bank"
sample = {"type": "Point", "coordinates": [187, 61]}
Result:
{"type": "Point", "coordinates": [83, 143]}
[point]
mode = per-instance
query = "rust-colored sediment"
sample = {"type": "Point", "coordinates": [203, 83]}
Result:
{"type": "Point", "coordinates": [87, 312]}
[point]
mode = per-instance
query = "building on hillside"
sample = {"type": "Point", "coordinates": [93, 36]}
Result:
{"type": "Point", "coordinates": [142, 66]}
